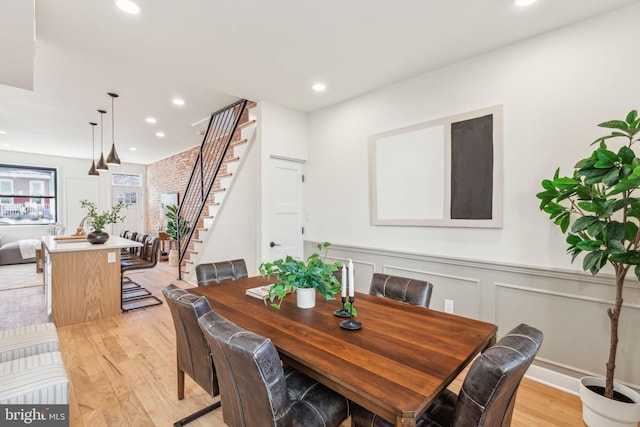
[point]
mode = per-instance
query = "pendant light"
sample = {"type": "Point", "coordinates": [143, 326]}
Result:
{"type": "Point", "coordinates": [93, 171]}
{"type": "Point", "coordinates": [113, 158]}
{"type": "Point", "coordinates": [101, 165]}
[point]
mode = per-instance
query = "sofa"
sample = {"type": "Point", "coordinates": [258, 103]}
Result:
{"type": "Point", "coordinates": [11, 253]}
{"type": "Point", "coordinates": [31, 367]}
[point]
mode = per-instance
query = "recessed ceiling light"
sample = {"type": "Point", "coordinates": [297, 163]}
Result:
{"type": "Point", "coordinates": [3, 132]}
{"type": "Point", "coordinates": [128, 6]}
{"type": "Point", "coordinates": [150, 120]}
{"type": "Point", "coordinates": [523, 3]}
{"type": "Point", "coordinates": [177, 101]}
{"type": "Point", "coordinates": [132, 148]}
{"type": "Point", "coordinates": [160, 134]}
{"type": "Point", "coordinates": [6, 145]}
{"type": "Point", "coordinates": [319, 87]}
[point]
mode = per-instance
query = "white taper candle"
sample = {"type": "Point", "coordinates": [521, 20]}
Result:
{"type": "Point", "coordinates": [344, 281]}
{"type": "Point", "coordinates": [351, 282]}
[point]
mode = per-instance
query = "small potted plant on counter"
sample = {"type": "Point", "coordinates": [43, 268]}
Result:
{"type": "Point", "coordinates": [304, 278]}
{"type": "Point", "coordinates": [97, 221]}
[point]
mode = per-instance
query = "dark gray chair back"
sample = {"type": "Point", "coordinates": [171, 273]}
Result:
{"type": "Point", "coordinates": [412, 291]}
{"type": "Point", "coordinates": [488, 393]}
{"type": "Point", "coordinates": [257, 391]}
{"type": "Point", "coordinates": [489, 390]}
{"type": "Point", "coordinates": [194, 357]}
{"type": "Point", "coordinates": [254, 388]}
{"type": "Point", "coordinates": [222, 271]}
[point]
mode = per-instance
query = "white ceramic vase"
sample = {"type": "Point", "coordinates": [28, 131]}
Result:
{"type": "Point", "coordinates": [306, 297]}
{"type": "Point", "coordinates": [598, 411]}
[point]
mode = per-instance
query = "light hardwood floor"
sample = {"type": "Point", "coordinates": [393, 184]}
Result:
{"type": "Point", "coordinates": [123, 370]}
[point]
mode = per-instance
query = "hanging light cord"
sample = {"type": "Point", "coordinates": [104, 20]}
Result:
{"type": "Point", "coordinates": [101, 133]}
{"type": "Point", "coordinates": [93, 142]}
{"type": "Point", "coordinates": [113, 137]}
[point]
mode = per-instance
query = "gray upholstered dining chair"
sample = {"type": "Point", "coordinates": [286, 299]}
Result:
{"type": "Point", "coordinates": [412, 291]}
{"type": "Point", "coordinates": [488, 392]}
{"type": "Point", "coordinates": [222, 271]}
{"type": "Point", "coordinates": [192, 351]}
{"type": "Point", "coordinates": [257, 391]}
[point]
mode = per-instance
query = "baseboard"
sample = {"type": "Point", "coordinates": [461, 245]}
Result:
{"type": "Point", "coordinates": [554, 379]}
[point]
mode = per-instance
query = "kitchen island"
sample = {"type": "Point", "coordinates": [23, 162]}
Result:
{"type": "Point", "coordinates": [82, 280]}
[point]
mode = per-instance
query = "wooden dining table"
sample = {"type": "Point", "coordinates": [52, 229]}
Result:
{"type": "Point", "coordinates": [396, 365]}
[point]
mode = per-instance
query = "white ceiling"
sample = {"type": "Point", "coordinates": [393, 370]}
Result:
{"type": "Point", "coordinates": [212, 52]}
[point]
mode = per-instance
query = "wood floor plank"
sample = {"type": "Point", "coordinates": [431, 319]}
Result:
{"type": "Point", "coordinates": [122, 369]}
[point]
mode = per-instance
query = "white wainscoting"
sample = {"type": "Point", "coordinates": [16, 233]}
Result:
{"type": "Point", "coordinates": [569, 307]}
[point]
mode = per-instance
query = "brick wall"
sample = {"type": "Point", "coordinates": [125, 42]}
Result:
{"type": "Point", "coordinates": [168, 175]}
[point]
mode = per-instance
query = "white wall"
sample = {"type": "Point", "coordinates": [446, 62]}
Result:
{"type": "Point", "coordinates": [72, 173]}
{"type": "Point", "coordinates": [555, 89]}
{"type": "Point", "coordinates": [283, 133]}
{"type": "Point", "coordinates": [235, 232]}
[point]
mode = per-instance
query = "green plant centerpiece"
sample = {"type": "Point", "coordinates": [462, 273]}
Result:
{"type": "Point", "coordinates": [97, 221]}
{"type": "Point", "coordinates": [599, 210]}
{"type": "Point", "coordinates": [291, 274]}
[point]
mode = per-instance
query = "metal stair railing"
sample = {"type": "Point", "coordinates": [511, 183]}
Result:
{"type": "Point", "coordinates": [215, 145]}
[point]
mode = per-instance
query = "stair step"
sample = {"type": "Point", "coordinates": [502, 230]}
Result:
{"type": "Point", "coordinates": [250, 105]}
{"type": "Point", "coordinates": [203, 230]}
{"type": "Point", "coordinates": [247, 124]}
{"type": "Point", "coordinates": [238, 142]}
{"type": "Point", "coordinates": [196, 240]}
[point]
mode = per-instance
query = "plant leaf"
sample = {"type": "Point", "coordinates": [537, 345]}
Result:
{"type": "Point", "coordinates": [582, 223]}
{"type": "Point", "coordinates": [615, 124]}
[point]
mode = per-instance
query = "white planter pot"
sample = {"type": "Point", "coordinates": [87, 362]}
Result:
{"type": "Point", "coordinates": [598, 411]}
{"type": "Point", "coordinates": [173, 257]}
{"type": "Point", "coordinates": [306, 297]}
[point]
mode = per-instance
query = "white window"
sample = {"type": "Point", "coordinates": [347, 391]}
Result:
{"type": "Point", "coordinates": [126, 180]}
{"type": "Point", "coordinates": [27, 195]}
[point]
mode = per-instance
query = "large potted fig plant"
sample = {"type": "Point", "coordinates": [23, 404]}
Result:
{"type": "Point", "coordinates": [177, 229]}
{"type": "Point", "coordinates": [598, 207]}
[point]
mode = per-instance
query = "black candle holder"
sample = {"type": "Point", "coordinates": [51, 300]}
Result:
{"type": "Point", "coordinates": [351, 324]}
{"type": "Point", "coordinates": [342, 312]}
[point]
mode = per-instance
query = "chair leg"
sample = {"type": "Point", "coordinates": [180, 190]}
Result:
{"type": "Point", "coordinates": [198, 414]}
{"type": "Point", "coordinates": [180, 384]}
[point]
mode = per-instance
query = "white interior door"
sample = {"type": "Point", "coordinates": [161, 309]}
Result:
{"type": "Point", "coordinates": [133, 221]}
{"type": "Point", "coordinates": [284, 231]}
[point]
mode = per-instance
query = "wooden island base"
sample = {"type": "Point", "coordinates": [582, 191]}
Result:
{"type": "Point", "coordinates": [83, 280]}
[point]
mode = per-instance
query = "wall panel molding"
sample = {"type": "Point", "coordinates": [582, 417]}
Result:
{"type": "Point", "coordinates": [568, 306]}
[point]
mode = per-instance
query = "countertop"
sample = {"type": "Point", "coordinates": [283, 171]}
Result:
{"type": "Point", "coordinates": [114, 242]}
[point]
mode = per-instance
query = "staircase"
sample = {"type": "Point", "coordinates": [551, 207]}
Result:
{"type": "Point", "coordinates": [230, 132]}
